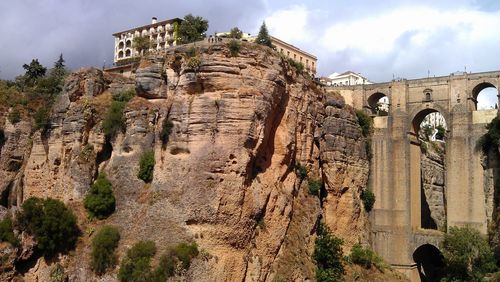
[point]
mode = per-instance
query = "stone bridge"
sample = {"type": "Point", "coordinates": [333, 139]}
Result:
{"type": "Point", "coordinates": [397, 231]}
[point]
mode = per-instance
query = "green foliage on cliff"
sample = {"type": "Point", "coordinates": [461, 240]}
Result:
{"type": "Point", "coordinates": [192, 29]}
{"type": "Point", "coordinates": [328, 255]}
{"type": "Point", "coordinates": [467, 255]}
{"type": "Point", "coordinates": [51, 223]}
{"type": "Point", "coordinates": [314, 186]}
{"type": "Point", "coordinates": [365, 121]}
{"type": "Point", "coordinates": [368, 199]}
{"type": "Point", "coordinates": [301, 171]}
{"type": "Point", "coordinates": [365, 257]}
{"type": "Point", "coordinates": [299, 67]}
{"type": "Point", "coordinates": [263, 37]}
{"type": "Point", "coordinates": [7, 232]}
{"type": "Point", "coordinates": [14, 116]}
{"type": "Point", "coordinates": [124, 96]}
{"type": "Point", "coordinates": [234, 47]}
{"type": "Point", "coordinates": [166, 129]}
{"type": "Point", "coordinates": [146, 166]}
{"type": "Point", "coordinates": [142, 44]}
{"type": "Point", "coordinates": [137, 265]}
{"type": "Point", "coordinates": [491, 137]}
{"type": "Point", "coordinates": [100, 201]}
{"type": "Point", "coordinates": [104, 245]}
{"type": "Point", "coordinates": [114, 122]}
{"type": "Point", "coordinates": [235, 33]}
{"type": "Point", "coordinates": [177, 258]}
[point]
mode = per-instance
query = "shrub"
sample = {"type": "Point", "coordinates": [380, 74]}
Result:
{"type": "Point", "coordinates": [365, 121]}
{"type": "Point", "coordinates": [365, 257]}
{"type": "Point", "coordinates": [235, 33]}
{"type": "Point", "coordinates": [104, 245]}
{"type": "Point", "coordinates": [124, 96]}
{"type": "Point", "coordinates": [234, 47]}
{"type": "Point", "coordinates": [194, 63]}
{"type": "Point", "coordinates": [328, 255]}
{"type": "Point", "coordinates": [467, 255]}
{"type": "Point", "coordinates": [7, 232]}
{"type": "Point", "coordinates": [185, 252]}
{"type": "Point", "coordinates": [100, 201]}
{"type": "Point", "coordinates": [299, 67]}
{"type": "Point", "coordinates": [57, 274]}
{"type": "Point", "coordinates": [14, 116]}
{"type": "Point", "coordinates": [146, 166]}
{"type": "Point", "coordinates": [51, 223]}
{"type": "Point", "coordinates": [177, 258]}
{"type": "Point", "coordinates": [368, 199]}
{"type": "Point", "coordinates": [314, 187]}
{"type": "Point", "coordinates": [114, 121]}
{"type": "Point", "coordinates": [137, 265]}
{"type": "Point", "coordinates": [166, 129]}
{"type": "Point", "coordinates": [301, 171]}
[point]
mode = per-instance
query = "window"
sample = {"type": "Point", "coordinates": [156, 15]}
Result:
{"type": "Point", "coordinates": [288, 53]}
{"type": "Point", "coordinates": [427, 96]}
{"type": "Point", "coordinates": [281, 50]}
{"type": "Point", "coordinates": [295, 56]}
{"type": "Point", "coordinates": [301, 59]}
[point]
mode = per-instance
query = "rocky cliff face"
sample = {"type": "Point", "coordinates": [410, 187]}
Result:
{"type": "Point", "coordinates": [226, 179]}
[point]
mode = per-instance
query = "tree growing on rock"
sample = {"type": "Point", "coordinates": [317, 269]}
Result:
{"type": "Point", "coordinates": [263, 37]}
{"type": "Point", "coordinates": [192, 29]}
{"type": "Point", "coordinates": [142, 44]}
{"type": "Point", "coordinates": [236, 33]}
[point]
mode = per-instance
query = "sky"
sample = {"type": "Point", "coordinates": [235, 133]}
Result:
{"type": "Point", "coordinates": [381, 40]}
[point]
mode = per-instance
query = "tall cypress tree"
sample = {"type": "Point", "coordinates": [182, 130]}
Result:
{"type": "Point", "coordinates": [263, 37]}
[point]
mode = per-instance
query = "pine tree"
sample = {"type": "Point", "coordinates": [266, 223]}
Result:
{"type": "Point", "coordinates": [263, 37]}
{"type": "Point", "coordinates": [59, 70]}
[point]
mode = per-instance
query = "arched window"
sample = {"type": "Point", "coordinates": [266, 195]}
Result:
{"type": "Point", "coordinates": [128, 53]}
{"type": "Point", "coordinates": [428, 96]}
{"type": "Point", "coordinates": [129, 44]}
{"type": "Point", "coordinates": [120, 54]}
{"type": "Point", "coordinates": [120, 45]}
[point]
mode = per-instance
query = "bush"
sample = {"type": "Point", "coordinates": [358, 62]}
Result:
{"type": "Point", "coordinates": [365, 121]}
{"type": "Point", "coordinates": [137, 265]}
{"type": "Point", "coordinates": [299, 67]}
{"type": "Point", "coordinates": [301, 171]}
{"type": "Point", "coordinates": [368, 199]}
{"type": "Point", "coordinates": [234, 47]}
{"type": "Point", "coordinates": [51, 223]}
{"type": "Point", "coordinates": [114, 121]}
{"type": "Point", "coordinates": [100, 201]}
{"type": "Point", "coordinates": [194, 63]}
{"type": "Point", "coordinates": [146, 167]}
{"type": "Point", "coordinates": [14, 116]}
{"type": "Point", "coordinates": [104, 245]}
{"type": "Point", "coordinates": [7, 232]}
{"type": "Point", "coordinates": [491, 137]}
{"type": "Point", "coordinates": [314, 187]}
{"type": "Point", "coordinates": [177, 258]}
{"type": "Point", "coordinates": [42, 118]}
{"type": "Point", "coordinates": [365, 257]}
{"type": "Point", "coordinates": [185, 252]}
{"type": "Point", "coordinates": [124, 96]}
{"type": "Point", "coordinates": [467, 255]}
{"type": "Point", "coordinates": [166, 129]}
{"type": "Point", "coordinates": [328, 255]}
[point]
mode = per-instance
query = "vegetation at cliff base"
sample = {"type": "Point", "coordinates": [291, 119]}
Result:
{"type": "Point", "coordinates": [368, 199]}
{"type": "Point", "coordinates": [100, 201]}
{"type": "Point", "coordinates": [136, 266]}
{"type": "Point", "coordinates": [467, 255]}
{"type": "Point", "coordinates": [192, 29]}
{"type": "Point", "coordinates": [263, 37]}
{"type": "Point", "coordinates": [328, 255]}
{"type": "Point", "coordinates": [7, 232]}
{"type": "Point", "coordinates": [104, 245]}
{"type": "Point", "coordinates": [146, 166]}
{"type": "Point", "coordinates": [176, 259]}
{"type": "Point", "coordinates": [365, 257]}
{"type": "Point", "coordinates": [51, 223]}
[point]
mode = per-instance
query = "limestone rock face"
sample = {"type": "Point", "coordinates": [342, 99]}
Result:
{"type": "Point", "coordinates": [434, 188]}
{"type": "Point", "coordinates": [226, 178]}
{"type": "Point", "coordinates": [8, 258]}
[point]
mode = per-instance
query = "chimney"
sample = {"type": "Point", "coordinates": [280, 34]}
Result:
{"type": "Point", "coordinates": [154, 20]}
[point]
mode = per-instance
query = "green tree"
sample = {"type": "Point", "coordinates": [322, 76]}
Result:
{"type": "Point", "coordinates": [142, 44]}
{"type": "Point", "coordinates": [146, 166]}
{"type": "Point", "coordinates": [263, 37]}
{"type": "Point", "coordinates": [328, 255]}
{"type": "Point", "coordinates": [236, 33]}
{"type": "Point", "coordinates": [368, 199]}
{"type": "Point", "coordinates": [114, 121]}
{"type": "Point", "coordinates": [59, 71]}
{"type": "Point", "coordinates": [100, 201]}
{"type": "Point", "coordinates": [104, 245]}
{"type": "Point", "coordinates": [166, 129]}
{"type": "Point", "coordinates": [192, 28]}
{"type": "Point", "coordinates": [136, 267]}
{"type": "Point", "coordinates": [7, 233]}
{"type": "Point", "coordinates": [51, 223]}
{"type": "Point", "coordinates": [365, 121]}
{"type": "Point", "coordinates": [34, 71]}
{"type": "Point", "coordinates": [467, 255]}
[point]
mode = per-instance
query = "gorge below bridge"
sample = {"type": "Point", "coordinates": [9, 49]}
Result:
{"type": "Point", "coordinates": [400, 233]}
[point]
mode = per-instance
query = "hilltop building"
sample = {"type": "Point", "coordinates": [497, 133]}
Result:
{"type": "Point", "coordinates": [162, 35]}
{"type": "Point", "coordinates": [308, 60]}
{"type": "Point", "coordinates": [347, 78]}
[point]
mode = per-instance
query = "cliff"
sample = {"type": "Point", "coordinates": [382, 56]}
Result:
{"type": "Point", "coordinates": [226, 178]}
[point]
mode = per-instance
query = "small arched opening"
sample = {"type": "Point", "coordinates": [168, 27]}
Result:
{"type": "Point", "coordinates": [379, 104]}
{"type": "Point", "coordinates": [120, 45]}
{"type": "Point", "coordinates": [128, 53]}
{"type": "Point", "coordinates": [129, 44]}
{"type": "Point", "coordinates": [430, 263]}
{"type": "Point", "coordinates": [120, 54]}
{"type": "Point", "coordinates": [485, 96]}
{"type": "Point", "coordinates": [428, 170]}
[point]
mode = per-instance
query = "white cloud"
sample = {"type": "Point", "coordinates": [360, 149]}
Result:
{"type": "Point", "coordinates": [289, 24]}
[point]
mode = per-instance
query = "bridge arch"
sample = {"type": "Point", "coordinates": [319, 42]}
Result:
{"type": "Point", "coordinates": [480, 91]}
{"type": "Point", "coordinates": [430, 262]}
{"type": "Point", "coordinates": [419, 114]}
{"type": "Point", "coordinates": [378, 103]}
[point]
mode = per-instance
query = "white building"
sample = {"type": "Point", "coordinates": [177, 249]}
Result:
{"type": "Point", "coordinates": [346, 79]}
{"type": "Point", "coordinates": [161, 34]}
